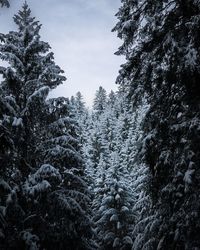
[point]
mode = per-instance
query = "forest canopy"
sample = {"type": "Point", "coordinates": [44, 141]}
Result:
{"type": "Point", "coordinates": [122, 175]}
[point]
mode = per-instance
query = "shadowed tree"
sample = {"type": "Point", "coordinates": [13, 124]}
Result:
{"type": "Point", "coordinates": [161, 44]}
{"type": "Point", "coordinates": [45, 203]}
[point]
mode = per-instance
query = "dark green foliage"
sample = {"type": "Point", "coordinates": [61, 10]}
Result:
{"type": "Point", "coordinates": [44, 198]}
{"type": "Point", "coordinates": [113, 206]}
{"type": "Point", "coordinates": [161, 44]}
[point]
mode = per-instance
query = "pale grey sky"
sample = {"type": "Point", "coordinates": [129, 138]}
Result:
{"type": "Point", "coordinates": [79, 32]}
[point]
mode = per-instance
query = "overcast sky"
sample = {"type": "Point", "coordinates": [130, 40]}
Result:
{"type": "Point", "coordinates": [79, 32]}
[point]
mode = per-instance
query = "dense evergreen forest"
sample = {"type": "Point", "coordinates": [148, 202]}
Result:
{"type": "Point", "coordinates": [124, 175]}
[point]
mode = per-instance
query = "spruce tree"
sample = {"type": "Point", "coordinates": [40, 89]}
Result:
{"type": "Point", "coordinates": [80, 102]}
{"type": "Point", "coordinates": [111, 98]}
{"type": "Point", "coordinates": [80, 114]}
{"type": "Point", "coordinates": [160, 42]}
{"type": "Point", "coordinates": [100, 100]}
{"type": "Point", "coordinates": [45, 203]}
{"type": "Point", "coordinates": [24, 88]}
{"type": "Point", "coordinates": [58, 186]}
{"type": "Point", "coordinates": [28, 79]}
{"type": "Point", "coordinates": [114, 217]}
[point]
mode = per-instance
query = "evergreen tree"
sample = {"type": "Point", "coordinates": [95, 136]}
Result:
{"type": "Point", "coordinates": [100, 100]}
{"type": "Point", "coordinates": [114, 129]}
{"type": "Point", "coordinates": [78, 106]}
{"type": "Point", "coordinates": [160, 42]}
{"type": "Point", "coordinates": [28, 79]}
{"type": "Point", "coordinates": [6, 162]}
{"type": "Point", "coordinates": [80, 114]}
{"type": "Point", "coordinates": [58, 186]}
{"type": "Point", "coordinates": [111, 98]}
{"type": "Point", "coordinates": [24, 88]}
{"type": "Point", "coordinates": [45, 203]}
{"type": "Point", "coordinates": [114, 217]}
{"type": "Point", "coordinates": [80, 102]}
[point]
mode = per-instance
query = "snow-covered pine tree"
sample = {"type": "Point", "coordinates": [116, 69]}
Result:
{"type": "Point", "coordinates": [25, 86]}
{"type": "Point", "coordinates": [100, 100]}
{"type": "Point", "coordinates": [7, 155]}
{"type": "Point", "coordinates": [111, 99]}
{"type": "Point", "coordinates": [131, 156]}
{"type": "Point", "coordinates": [60, 130]}
{"type": "Point", "coordinates": [88, 151]}
{"type": "Point", "coordinates": [111, 127]}
{"type": "Point", "coordinates": [122, 121]}
{"type": "Point", "coordinates": [81, 114]}
{"type": "Point", "coordinates": [46, 193]}
{"type": "Point", "coordinates": [31, 74]}
{"type": "Point", "coordinates": [6, 139]}
{"type": "Point", "coordinates": [114, 218]}
{"type": "Point", "coordinates": [58, 187]}
{"type": "Point", "coordinates": [94, 144]}
{"type": "Point", "coordinates": [99, 141]}
{"type": "Point", "coordinates": [78, 104]}
{"type": "Point", "coordinates": [160, 42]}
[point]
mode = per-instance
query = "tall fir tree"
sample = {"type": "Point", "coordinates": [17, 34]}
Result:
{"type": "Point", "coordinates": [80, 114]}
{"type": "Point", "coordinates": [100, 100]}
{"type": "Point", "coordinates": [45, 196]}
{"type": "Point", "coordinates": [114, 218]}
{"type": "Point", "coordinates": [161, 45]}
{"type": "Point", "coordinates": [58, 186]}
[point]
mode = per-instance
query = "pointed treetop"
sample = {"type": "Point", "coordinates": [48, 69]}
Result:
{"type": "Point", "coordinates": [26, 6]}
{"type": "Point", "coordinates": [23, 19]}
{"type": "Point", "coordinates": [100, 99]}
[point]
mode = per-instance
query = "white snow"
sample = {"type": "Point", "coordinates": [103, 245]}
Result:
{"type": "Point", "coordinates": [17, 122]}
{"type": "Point", "coordinates": [188, 176]}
